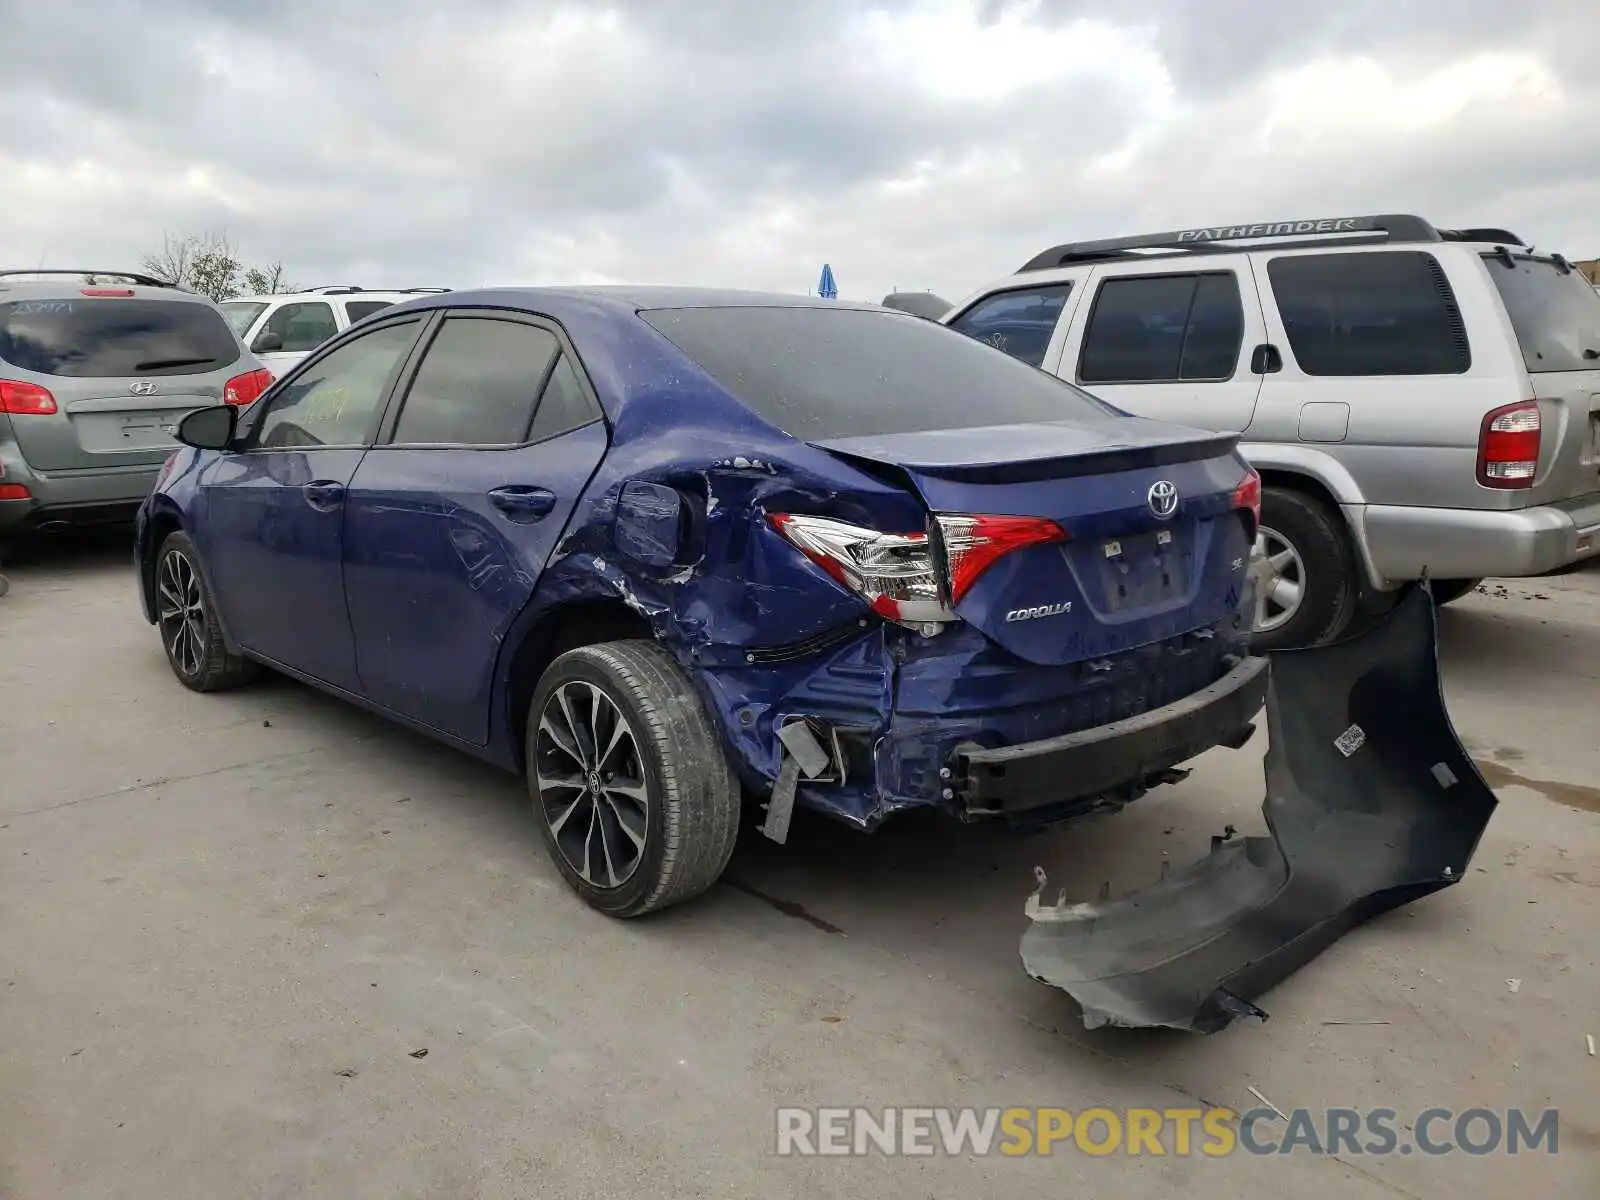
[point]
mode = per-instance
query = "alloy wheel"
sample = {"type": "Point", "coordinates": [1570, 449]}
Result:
{"type": "Point", "coordinates": [180, 612]}
{"type": "Point", "coordinates": [591, 784]}
{"type": "Point", "coordinates": [1282, 592]}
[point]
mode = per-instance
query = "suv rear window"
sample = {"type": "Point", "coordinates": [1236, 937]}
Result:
{"type": "Point", "coordinates": [110, 339]}
{"type": "Point", "coordinates": [1556, 315]}
{"type": "Point", "coordinates": [843, 372]}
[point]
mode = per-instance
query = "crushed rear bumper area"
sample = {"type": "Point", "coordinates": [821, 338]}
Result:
{"type": "Point", "coordinates": [1372, 802]}
{"type": "Point", "coordinates": [1043, 774]}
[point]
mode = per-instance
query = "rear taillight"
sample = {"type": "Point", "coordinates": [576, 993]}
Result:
{"type": "Point", "coordinates": [246, 389]}
{"type": "Point", "coordinates": [896, 572]}
{"type": "Point", "coordinates": [972, 544]}
{"type": "Point", "coordinates": [1248, 496]}
{"type": "Point", "coordinates": [25, 399]}
{"type": "Point", "coordinates": [1508, 446]}
{"type": "Point", "coordinates": [14, 491]}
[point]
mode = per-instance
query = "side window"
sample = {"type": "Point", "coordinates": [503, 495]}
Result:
{"type": "Point", "coordinates": [301, 326]}
{"type": "Point", "coordinates": [1387, 312]}
{"type": "Point", "coordinates": [563, 406]}
{"type": "Point", "coordinates": [356, 310]}
{"type": "Point", "coordinates": [335, 400]}
{"type": "Point", "coordinates": [1018, 322]}
{"type": "Point", "coordinates": [1163, 329]}
{"type": "Point", "coordinates": [476, 385]}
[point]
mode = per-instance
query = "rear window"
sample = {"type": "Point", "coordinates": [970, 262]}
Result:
{"type": "Point", "coordinates": [108, 339]}
{"type": "Point", "coordinates": [1556, 314]}
{"type": "Point", "coordinates": [358, 310]}
{"type": "Point", "coordinates": [831, 373]}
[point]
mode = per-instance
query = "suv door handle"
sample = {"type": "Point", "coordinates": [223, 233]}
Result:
{"type": "Point", "coordinates": [523, 503]}
{"type": "Point", "coordinates": [324, 494]}
{"type": "Point", "coordinates": [1265, 360]}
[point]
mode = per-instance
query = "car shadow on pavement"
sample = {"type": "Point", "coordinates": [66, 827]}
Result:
{"type": "Point", "coordinates": [74, 550]}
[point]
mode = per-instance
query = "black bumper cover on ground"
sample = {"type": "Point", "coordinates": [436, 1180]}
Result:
{"type": "Point", "coordinates": [1372, 801]}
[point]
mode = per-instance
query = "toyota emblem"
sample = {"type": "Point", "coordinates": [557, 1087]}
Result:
{"type": "Point", "coordinates": [1163, 498]}
{"type": "Point", "coordinates": [143, 387]}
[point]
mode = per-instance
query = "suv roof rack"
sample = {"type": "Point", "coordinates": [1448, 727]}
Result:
{"type": "Point", "coordinates": [1223, 239]}
{"type": "Point", "coordinates": [350, 289]}
{"type": "Point", "coordinates": [133, 277]}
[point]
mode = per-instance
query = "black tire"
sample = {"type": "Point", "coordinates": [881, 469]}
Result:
{"type": "Point", "coordinates": [1447, 591]}
{"type": "Point", "coordinates": [1327, 567]}
{"type": "Point", "coordinates": [186, 618]}
{"type": "Point", "coordinates": [676, 781]}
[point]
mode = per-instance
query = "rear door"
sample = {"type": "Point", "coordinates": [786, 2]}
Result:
{"type": "Point", "coordinates": [122, 367]}
{"type": "Point", "coordinates": [272, 529]}
{"type": "Point", "coordinates": [452, 517]}
{"type": "Point", "coordinates": [1171, 342]}
{"type": "Point", "coordinates": [1556, 315]}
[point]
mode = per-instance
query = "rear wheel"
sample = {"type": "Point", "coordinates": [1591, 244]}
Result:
{"type": "Point", "coordinates": [636, 800]}
{"type": "Point", "coordinates": [1447, 591]}
{"type": "Point", "coordinates": [186, 617]}
{"type": "Point", "coordinates": [1309, 594]}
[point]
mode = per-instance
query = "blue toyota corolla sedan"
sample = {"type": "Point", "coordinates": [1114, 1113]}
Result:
{"type": "Point", "coordinates": [666, 550]}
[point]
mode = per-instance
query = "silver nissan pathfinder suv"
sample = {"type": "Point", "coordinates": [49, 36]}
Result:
{"type": "Point", "coordinates": [1417, 400]}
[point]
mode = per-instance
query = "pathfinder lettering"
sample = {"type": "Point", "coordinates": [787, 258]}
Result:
{"type": "Point", "coordinates": [1277, 229]}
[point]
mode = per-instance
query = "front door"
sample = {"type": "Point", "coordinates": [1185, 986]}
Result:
{"type": "Point", "coordinates": [1170, 341]}
{"type": "Point", "coordinates": [291, 332]}
{"type": "Point", "coordinates": [452, 516]}
{"type": "Point", "coordinates": [273, 528]}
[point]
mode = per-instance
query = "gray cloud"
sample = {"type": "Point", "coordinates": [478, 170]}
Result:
{"type": "Point", "coordinates": [727, 142]}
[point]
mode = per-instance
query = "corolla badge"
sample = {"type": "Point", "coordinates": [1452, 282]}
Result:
{"type": "Point", "coordinates": [1163, 498]}
{"type": "Point", "coordinates": [143, 387]}
{"type": "Point", "coordinates": [1039, 610]}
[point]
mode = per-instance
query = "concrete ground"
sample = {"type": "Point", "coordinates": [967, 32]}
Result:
{"type": "Point", "coordinates": [230, 926]}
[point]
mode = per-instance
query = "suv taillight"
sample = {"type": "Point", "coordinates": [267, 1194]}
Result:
{"type": "Point", "coordinates": [25, 399]}
{"type": "Point", "coordinates": [896, 573]}
{"type": "Point", "coordinates": [246, 389]}
{"type": "Point", "coordinates": [1508, 446]}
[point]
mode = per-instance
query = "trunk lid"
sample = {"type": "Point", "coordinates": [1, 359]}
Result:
{"type": "Point", "coordinates": [1129, 572]}
{"type": "Point", "coordinates": [1555, 314]}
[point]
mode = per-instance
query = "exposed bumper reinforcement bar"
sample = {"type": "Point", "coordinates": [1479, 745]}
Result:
{"type": "Point", "coordinates": [1372, 802]}
{"type": "Point", "coordinates": [1014, 779]}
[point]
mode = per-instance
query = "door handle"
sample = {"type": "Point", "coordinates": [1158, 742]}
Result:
{"type": "Point", "coordinates": [1265, 360]}
{"type": "Point", "coordinates": [324, 494]}
{"type": "Point", "coordinates": [523, 503]}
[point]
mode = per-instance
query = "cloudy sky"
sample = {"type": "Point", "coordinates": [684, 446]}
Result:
{"type": "Point", "coordinates": [911, 143]}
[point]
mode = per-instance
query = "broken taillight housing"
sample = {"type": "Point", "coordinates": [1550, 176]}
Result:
{"type": "Point", "coordinates": [1248, 496]}
{"type": "Point", "coordinates": [898, 574]}
{"type": "Point", "coordinates": [1508, 446]}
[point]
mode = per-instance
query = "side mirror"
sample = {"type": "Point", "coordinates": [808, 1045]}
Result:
{"type": "Point", "coordinates": [266, 342]}
{"type": "Point", "coordinates": [209, 428]}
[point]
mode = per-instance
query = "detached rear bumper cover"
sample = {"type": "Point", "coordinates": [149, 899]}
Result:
{"type": "Point", "coordinates": [1372, 801]}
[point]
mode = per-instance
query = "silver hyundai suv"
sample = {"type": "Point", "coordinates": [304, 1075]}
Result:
{"type": "Point", "coordinates": [94, 378]}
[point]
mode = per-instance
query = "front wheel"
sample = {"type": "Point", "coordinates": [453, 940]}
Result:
{"type": "Point", "coordinates": [633, 793]}
{"type": "Point", "coordinates": [1308, 595]}
{"type": "Point", "coordinates": [186, 615]}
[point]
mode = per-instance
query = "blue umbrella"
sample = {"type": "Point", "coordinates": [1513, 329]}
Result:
{"type": "Point", "coordinates": [828, 289]}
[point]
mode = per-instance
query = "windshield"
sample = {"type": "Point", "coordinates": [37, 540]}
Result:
{"type": "Point", "coordinates": [109, 339]}
{"type": "Point", "coordinates": [241, 314]}
{"type": "Point", "coordinates": [1556, 313]}
{"type": "Point", "coordinates": [847, 372]}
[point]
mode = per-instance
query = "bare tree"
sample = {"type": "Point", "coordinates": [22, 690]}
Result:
{"type": "Point", "coordinates": [209, 264]}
